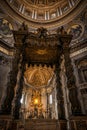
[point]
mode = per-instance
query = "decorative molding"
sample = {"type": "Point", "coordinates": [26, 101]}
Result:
{"type": "Point", "coordinates": [5, 51]}
{"type": "Point", "coordinates": [5, 48]}
{"type": "Point", "coordinates": [78, 52]}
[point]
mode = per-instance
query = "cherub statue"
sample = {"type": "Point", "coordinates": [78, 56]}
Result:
{"type": "Point", "coordinates": [23, 27]}
{"type": "Point", "coordinates": [42, 32]}
{"type": "Point", "coordinates": [61, 30]}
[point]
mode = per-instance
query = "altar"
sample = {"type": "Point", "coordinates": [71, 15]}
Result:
{"type": "Point", "coordinates": [38, 124]}
{"type": "Point", "coordinates": [44, 124]}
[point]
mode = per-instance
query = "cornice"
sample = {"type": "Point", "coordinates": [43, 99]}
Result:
{"type": "Point", "coordinates": [79, 46]}
{"type": "Point", "coordinates": [78, 52]}
{"type": "Point", "coordinates": [4, 48]}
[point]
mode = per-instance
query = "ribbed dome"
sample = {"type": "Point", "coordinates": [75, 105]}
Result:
{"type": "Point", "coordinates": [43, 2]}
{"type": "Point", "coordinates": [43, 11]}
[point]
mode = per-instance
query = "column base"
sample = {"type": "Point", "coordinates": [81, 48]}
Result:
{"type": "Point", "coordinates": [5, 113]}
{"type": "Point", "coordinates": [8, 123]}
{"type": "Point", "coordinates": [17, 125]}
{"type": "Point", "coordinates": [78, 123]}
{"type": "Point", "coordinates": [62, 124]}
{"type": "Point", "coordinates": [5, 122]}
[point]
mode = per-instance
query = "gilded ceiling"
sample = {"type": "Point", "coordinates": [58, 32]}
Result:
{"type": "Point", "coordinates": [38, 76]}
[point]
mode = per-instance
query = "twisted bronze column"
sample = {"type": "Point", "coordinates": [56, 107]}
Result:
{"type": "Point", "coordinates": [73, 95]}
{"type": "Point", "coordinates": [18, 95]}
{"type": "Point", "coordinates": [60, 98]}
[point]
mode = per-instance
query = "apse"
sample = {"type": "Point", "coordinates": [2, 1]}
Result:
{"type": "Point", "coordinates": [39, 93]}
